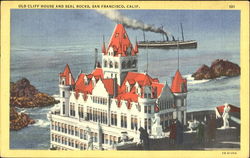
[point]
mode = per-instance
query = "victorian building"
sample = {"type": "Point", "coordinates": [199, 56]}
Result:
{"type": "Point", "coordinates": [114, 98]}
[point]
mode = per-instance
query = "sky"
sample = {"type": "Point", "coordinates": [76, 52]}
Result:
{"type": "Point", "coordinates": [44, 27]}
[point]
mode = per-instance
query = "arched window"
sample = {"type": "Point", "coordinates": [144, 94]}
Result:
{"type": "Point", "coordinates": [134, 63]}
{"type": "Point", "coordinates": [129, 64]}
{"type": "Point", "coordinates": [62, 82]}
{"type": "Point", "coordinates": [105, 63]}
{"type": "Point", "coordinates": [111, 64]}
{"type": "Point", "coordinates": [116, 65]}
{"type": "Point", "coordinates": [123, 64]}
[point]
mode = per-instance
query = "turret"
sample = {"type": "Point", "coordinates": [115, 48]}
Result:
{"type": "Point", "coordinates": [66, 83]}
{"type": "Point", "coordinates": [120, 56]}
{"type": "Point", "coordinates": [179, 89]}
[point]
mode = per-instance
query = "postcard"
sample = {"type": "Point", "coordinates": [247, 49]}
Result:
{"type": "Point", "coordinates": [125, 79]}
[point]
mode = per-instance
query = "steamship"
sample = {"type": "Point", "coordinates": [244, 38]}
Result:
{"type": "Point", "coordinates": [166, 43]}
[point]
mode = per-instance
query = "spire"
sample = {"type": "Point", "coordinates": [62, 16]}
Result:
{"type": "Point", "coordinates": [96, 58]}
{"type": "Point", "coordinates": [147, 58]}
{"type": "Point", "coordinates": [179, 84]}
{"type": "Point", "coordinates": [178, 54]}
{"type": "Point", "coordinates": [69, 79]}
{"type": "Point", "coordinates": [103, 45]}
{"type": "Point", "coordinates": [120, 41]}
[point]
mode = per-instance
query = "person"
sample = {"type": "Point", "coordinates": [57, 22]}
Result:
{"type": "Point", "coordinates": [144, 138]}
{"type": "Point", "coordinates": [211, 128]}
{"type": "Point", "coordinates": [200, 133]}
{"type": "Point", "coordinates": [172, 136]}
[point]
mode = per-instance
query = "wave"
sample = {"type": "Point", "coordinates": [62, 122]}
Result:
{"type": "Point", "coordinates": [41, 123]}
{"type": "Point", "coordinates": [192, 81]}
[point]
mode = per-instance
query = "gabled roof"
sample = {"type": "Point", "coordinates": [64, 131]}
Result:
{"type": "Point", "coordinates": [97, 73]}
{"type": "Point", "coordinates": [69, 79]}
{"type": "Point", "coordinates": [141, 78]}
{"type": "Point", "coordinates": [120, 42]}
{"type": "Point", "coordinates": [179, 84]}
{"type": "Point", "coordinates": [109, 85]}
{"type": "Point", "coordinates": [157, 88]}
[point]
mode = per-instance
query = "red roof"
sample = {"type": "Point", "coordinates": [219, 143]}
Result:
{"type": "Point", "coordinates": [80, 85]}
{"type": "Point", "coordinates": [69, 79]}
{"type": "Point", "coordinates": [157, 88]}
{"type": "Point", "coordinates": [120, 42]}
{"type": "Point", "coordinates": [97, 73]}
{"type": "Point", "coordinates": [179, 84]}
{"type": "Point", "coordinates": [109, 85]}
{"type": "Point", "coordinates": [141, 78]}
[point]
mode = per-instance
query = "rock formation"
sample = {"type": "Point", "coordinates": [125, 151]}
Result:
{"type": "Point", "coordinates": [218, 68]}
{"type": "Point", "coordinates": [25, 95]}
{"type": "Point", "coordinates": [19, 120]}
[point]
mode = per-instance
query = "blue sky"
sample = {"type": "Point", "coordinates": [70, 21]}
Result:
{"type": "Point", "coordinates": [43, 27]}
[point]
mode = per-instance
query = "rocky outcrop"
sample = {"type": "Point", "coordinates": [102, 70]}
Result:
{"type": "Point", "coordinates": [218, 68]}
{"type": "Point", "coordinates": [19, 120]}
{"type": "Point", "coordinates": [25, 95]}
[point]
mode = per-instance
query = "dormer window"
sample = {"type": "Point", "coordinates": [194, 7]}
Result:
{"type": "Point", "coordinates": [117, 34]}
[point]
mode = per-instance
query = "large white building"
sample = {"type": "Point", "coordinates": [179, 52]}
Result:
{"type": "Point", "coordinates": [114, 98]}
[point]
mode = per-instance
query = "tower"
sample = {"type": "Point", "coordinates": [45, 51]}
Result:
{"type": "Point", "coordinates": [179, 88]}
{"type": "Point", "coordinates": [120, 56]}
{"type": "Point", "coordinates": [66, 81]}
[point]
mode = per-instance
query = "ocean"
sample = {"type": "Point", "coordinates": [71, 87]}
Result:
{"type": "Point", "coordinates": [42, 63]}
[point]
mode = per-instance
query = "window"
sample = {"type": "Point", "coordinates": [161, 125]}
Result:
{"type": "Point", "coordinates": [129, 64]}
{"type": "Point", "coordinates": [111, 64]}
{"type": "Point", "coordinates": [134, 63]}
{"type": "Point", "coordinates": [123, 121]}
{"type": "Point", "coordinates": [63, 110]}
{"type": "Point", "coordinates": [134, 124]}
{"type": "Point", "coordinates": [80, 111]}
{"type": "Point", "coordinates": [123, 64]}
{"type": "Point", "coordinates": [59, 126]}
{"type": "Point", "coordinates": [105, 63]}
{"type": "Point", "coordinates": [52, 137]}
{"type": "Point", "coordinates": [72, 109]}
{"type": "Point", "coordinates": [53, 125]}
{"type": "Point", "coordinates": [116, 65]}
{"type": "Point", "coordinates": [149, 109]}
{"type": "Point", "coordinates": [145, 124]}
{"type": "Point", "coordinates": [76, 132]}
{"type": "Point", "coordinates": [69, 129]}
{"type": "Point", "coordinates": [106, 139]}
{"type": "Point", "coordinates": [65, 126]}
{"type": "Point", "coordinates": [63, 94]}
{"type": "Point", "coordinates": [81, 133]}
{"type": "Point", "coordinates": [145, 109]}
